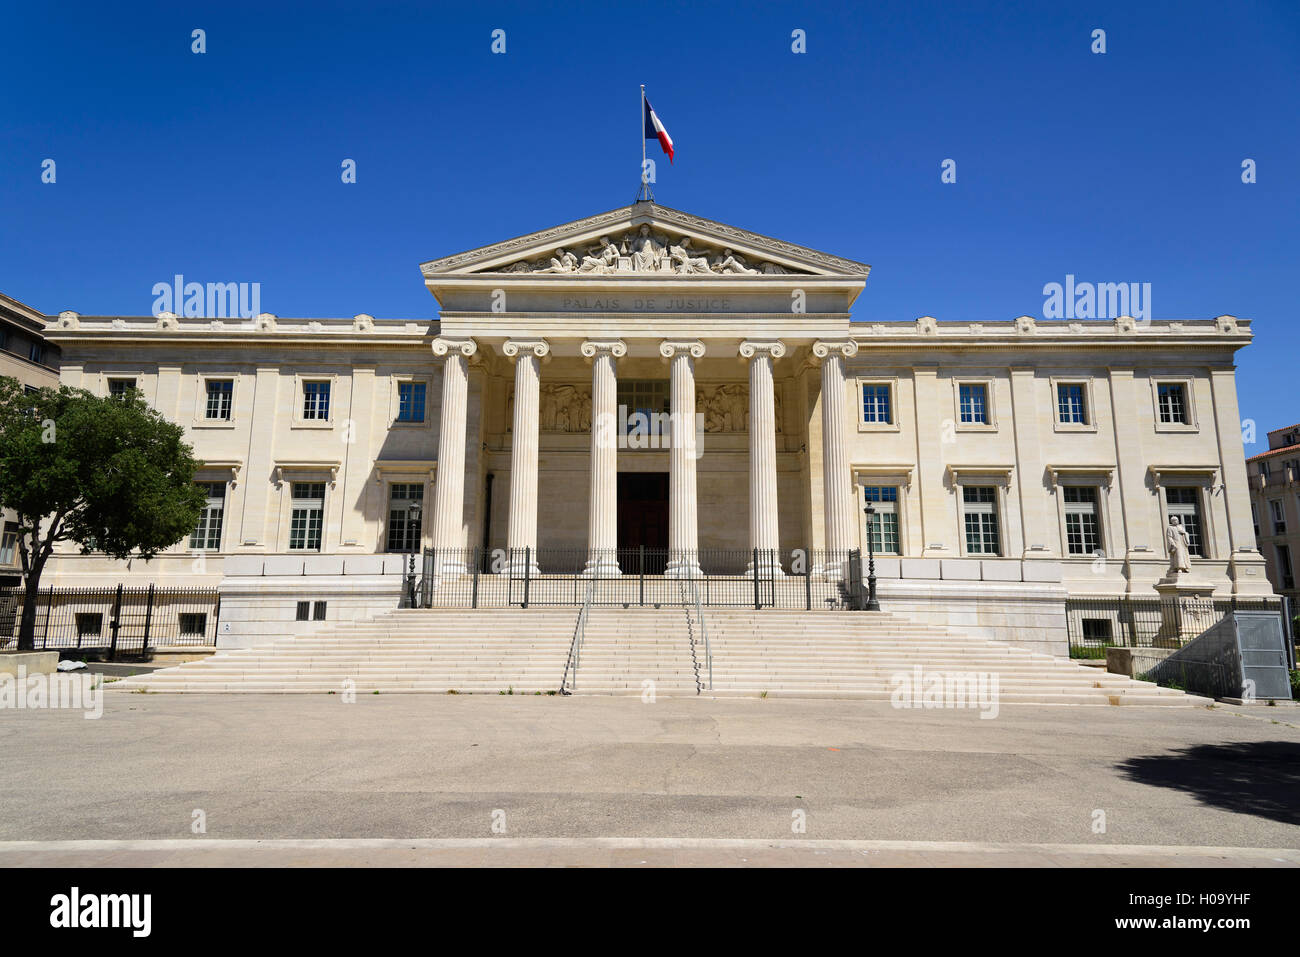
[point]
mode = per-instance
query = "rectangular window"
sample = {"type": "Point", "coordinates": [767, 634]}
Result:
{"type": "Point", "coordinates": [410, 401]}
{"type": "Point", "coordinates": [1254, 517]}
{"type": "Point", "coordinates": [1082, 530]}
{"type": "Point", "coordinates": [193, 624]}
{"type": "Point", "coordinates": [303, 611]}
{"type": "Point", "coordinates": [876, 405]}
{"type": "Point", "coordinates": [118, 388]}
{"type": "Point", "coordinates": [221, 394]}
{"type": "Point", "coordinates": [1071, 404]}
{"type": "Point", "coordinates": [648, 398]}
{"type": "Point", "coordinates": [403, 532]}
{"type": "Point", "coordinates": [1173, 403]}
{"type": "Point", "coordinates": [207, 534]}
{"type": "Point", "coordinates": [318, 611]}
{"type": "Point", "coordinates": [1186, 504]}
{"type": "Point", "coordinates": [981, 514]}
{"type": "Point", "coordinates": [1279, 517]}
{"type": "Point", "coordinates": [306, 516]}
{"type": "Point", "coordinates": [974, 405]}
{"type": "Point", "coordinates": [9, 544]}
{"type": "Point", "coordinates": [1284, 567]}
{"type": "Point", "coordinates": [37, 352]}
{"type": "Point", "coordinates": [316, 401]}
{"type": "Point", "coordinates": [89, 624]}
{"type": "Point", "coordinates": [884, 524]}
{"type": "Point", "coordinates": [1096, 631]}
{"type": "Point", "coordinates": [1263, 468]}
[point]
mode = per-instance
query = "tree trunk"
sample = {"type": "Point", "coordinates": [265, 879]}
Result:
{"type": "Point", "coordinates": [27, 628]}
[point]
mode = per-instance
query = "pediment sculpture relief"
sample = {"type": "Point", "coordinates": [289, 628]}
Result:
{"type": "Point", "coordinates": [645, 251]}
{"type": "Point", "coordinates": [561, 408]}
{"type": "Point", "coordinates": [726, 407]}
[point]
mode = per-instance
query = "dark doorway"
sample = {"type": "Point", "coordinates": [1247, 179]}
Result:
{"type": "Point", "coordinates": [643, 519]}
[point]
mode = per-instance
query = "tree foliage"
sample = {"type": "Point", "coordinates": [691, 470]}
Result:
{"type": "Point", "coordinates": [109, 474]}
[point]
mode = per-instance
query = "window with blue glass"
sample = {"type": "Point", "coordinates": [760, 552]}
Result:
{"type": "Point", "coordinates": [316, 401]}
{"type": "Point", "coordinates": [410, 402]}
{"type": "Point", "coordinates": [875, 404]}
{"type": "Point", "coordinates": [884, 523]}
{"type": "Point", "coordinates": [973, 399]}
{"type": "Point", "coordinates": [1071, 406]}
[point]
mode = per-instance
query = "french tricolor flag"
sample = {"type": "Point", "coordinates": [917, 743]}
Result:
{"type": "Point", "coordinates": [655, 130]}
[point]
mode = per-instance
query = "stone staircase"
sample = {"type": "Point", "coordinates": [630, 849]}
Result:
{"type": "Point", "coordinates": [635, 650]}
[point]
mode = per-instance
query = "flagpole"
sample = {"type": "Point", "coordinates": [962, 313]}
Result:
{"type": "Point", "coordinates": [644, 185]}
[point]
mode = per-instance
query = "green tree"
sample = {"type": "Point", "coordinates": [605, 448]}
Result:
{"type": "Point", "coordinates": [110, 474]}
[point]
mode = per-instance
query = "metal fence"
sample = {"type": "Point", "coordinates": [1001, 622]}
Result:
{"type": "Point", "coordinates": [1095, 624]}
{"type": "Point", "coordinates": [115, 620]}
{"type": "Point", "coordinates": [741, 578]}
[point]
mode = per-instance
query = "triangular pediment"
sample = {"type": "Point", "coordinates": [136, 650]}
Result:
{"type": "Point", "coordinates": [641, 240]}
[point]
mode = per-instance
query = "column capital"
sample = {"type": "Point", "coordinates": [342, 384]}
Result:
{"type": "Point", "coordinates": [750, 348]}
{"type": "Point", "coordinates": [598, 347]}
{"type": "Point", "coordinates": [466, 347]}
{"type": "Point", "coordinates": [671, 347]}
{"type": "Point", "coordinates": [538, 347]}
{"type": "Point", "coordinates": [822, 348]}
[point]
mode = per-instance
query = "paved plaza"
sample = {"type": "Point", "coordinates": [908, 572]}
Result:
{"type": "Point", "coordinates": [418, 779]}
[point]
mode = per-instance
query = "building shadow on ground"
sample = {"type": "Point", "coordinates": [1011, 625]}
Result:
{"type": "Point", "coordinates": [1260, 778]}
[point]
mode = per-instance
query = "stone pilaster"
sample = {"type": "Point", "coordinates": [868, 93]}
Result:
{"type": "Point", "coordinates": [522, 534]}
{"type": "Point", "coordinates": [449, 489]}
{"type": "Point", "coordinates": [683, 513]}
{"type": "Point", "coordinates": [837, 499]}
{"type": "Point", "coordinates": [602, 522]}
{"type": "Point", "coordinates": [763, 527]}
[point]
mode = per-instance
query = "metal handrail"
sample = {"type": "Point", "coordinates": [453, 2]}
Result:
{"type": "Point", "coordinates": [575, 646]}
{"type": "Point", "coordinates": [704, 630]}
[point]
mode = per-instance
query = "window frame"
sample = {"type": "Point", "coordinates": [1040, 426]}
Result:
{"type": "Point", "coordinates": [388, 519]}
{"type": "Point", "coordinates": [201, 420]}
{"type": "Point", "coordinates": [301, 381]}
{"type": "Point", "coordinates": [860, 392]}
{"type": "Point", "coordinates": [1189, 403]}
{"type": "Point", "coordinates": [998, 508]}
{"type": "Point", "coordinates": [204, 522]}
{"type": "Point", "coordinates": [988, 383]}
{"type": "Point", "coordinates": [1077, 508]}
{"type": "Point", "coordinates": [295, 505]}
{"type": "Point", "coordinates": [1089, 423]}
{"type": "Point", "coordinates": [883, 507]}
{"type": "Point", "coordinates": [1206, 551]}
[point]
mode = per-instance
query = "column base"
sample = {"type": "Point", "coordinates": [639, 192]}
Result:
{"type": "Point", "coordinates": [518, 568]}
{"type": "Point", "coordinates": [683, 568]}
{"type": "Point", "coordinates": [602, 566]}
{"type": "Point", "coordinates": [768, 567]}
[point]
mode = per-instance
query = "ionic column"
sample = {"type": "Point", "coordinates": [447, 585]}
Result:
{"type": "Point", "coordinates": [683, 515]}
{"type": "Point", "coordinates": [522, 533]}
{"type": "Point", "coordinates": [449, 488]}
{"type": "Point", "coordinates": [763, 529]}
{"type": "Point", "coordinates": [837, 497]}
{"type": "Point", "coordinates": [602, 521]}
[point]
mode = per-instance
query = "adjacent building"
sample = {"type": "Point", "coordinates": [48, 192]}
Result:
{"type": "Point", "coordinates": [1010, 464]}
{"type": "Point", "coordinates": [26, 356]}
{"type": "Point", "coordinates": [1274, 478]}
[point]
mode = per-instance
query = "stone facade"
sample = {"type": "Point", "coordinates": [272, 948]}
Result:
{"type": "Point", "coordinates": [1012, 463]}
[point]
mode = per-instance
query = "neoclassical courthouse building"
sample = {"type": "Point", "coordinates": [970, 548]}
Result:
{"type": "Point", "coordinates": [1011, 464]}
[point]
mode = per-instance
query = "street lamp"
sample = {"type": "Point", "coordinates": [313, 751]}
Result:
{"type": "Point", "coordinates": [872, 603]}
{"type": "Point", "coordinates": [412, 542]}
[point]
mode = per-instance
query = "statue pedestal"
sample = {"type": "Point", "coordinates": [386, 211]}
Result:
{"type": "Point", "coordinates": [1185, 609]}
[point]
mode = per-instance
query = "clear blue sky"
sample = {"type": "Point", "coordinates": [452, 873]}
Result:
{"type": "Point", "coordinates": [225, 166]}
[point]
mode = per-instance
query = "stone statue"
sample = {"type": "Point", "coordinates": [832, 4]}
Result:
{"type": "Point", "coordinates": [730, 264]}
{"type": "Point", "coordinates": [600, 259]}
{"type": "Point", "coordinates": [562, 261]}
{"type": "Point", "coordinates": [647, 255]}
{"type": "Point", "coordinates": [684, 256]}
{"type": "Point", "coordinates": [1179, 546]}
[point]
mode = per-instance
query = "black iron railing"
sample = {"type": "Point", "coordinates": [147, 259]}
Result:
{"type": "Point", "coordinates": [114, 620]}
{"type": "Point", "coordinates": [741, 578]}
